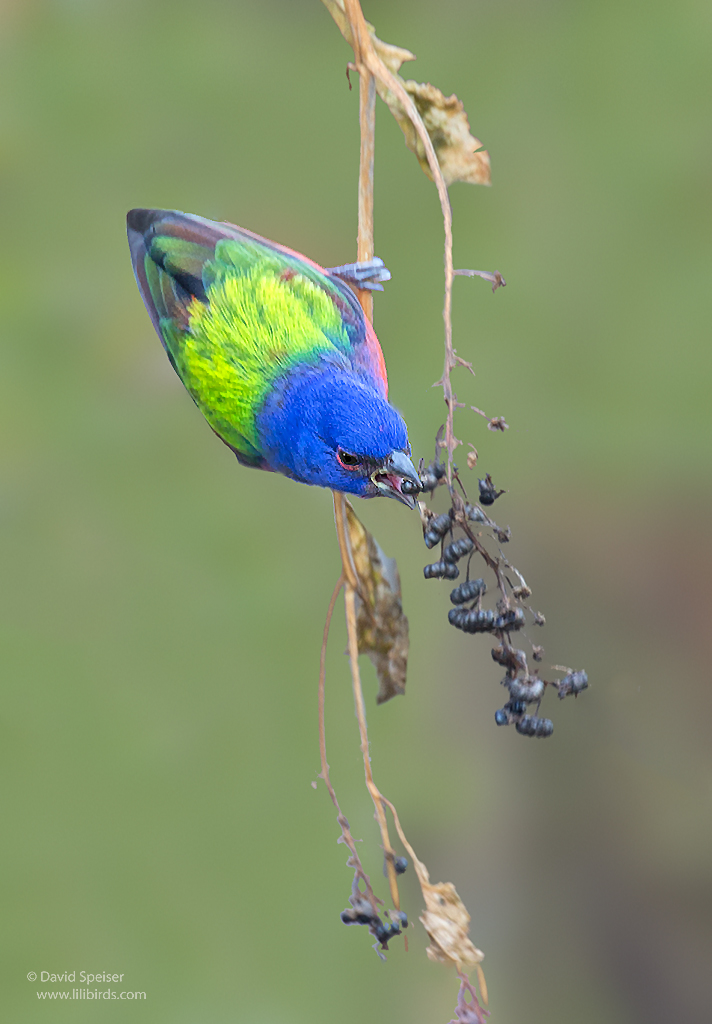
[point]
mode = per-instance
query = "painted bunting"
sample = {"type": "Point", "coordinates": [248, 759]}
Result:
{"type": "Point", "coordinates": [275, 351]}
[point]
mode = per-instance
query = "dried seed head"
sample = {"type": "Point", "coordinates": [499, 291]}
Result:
{"type": "Point", "coordinates": [432, 475]}
{"type": "Point", "coordinates": [456, 617]}
{"type": "Point", "coordinates": [385, 932]}
{"type": "Point", "coordinates": [529, 690]}
{"type": "Point", "coordinates": [475, 514]}
{"type": "Point", "coordinates": [472, 621]}
{"type": "Point", "coordinates": [573, 683]}
{"type": "Point", "coordinates": [428, 482]}
{"type": "Point", "coordinates": [478, 621]}
{"type": "Point", "coordinates": [437, 528]}
{"type": "Point", "coordinates": [498, 423]}
{"type": "Point", "coordinates": [441, 524]}
{"type": "Point", "coordinates": [512, 619]}
{"type": "Point", "coordinates": [532, 726]}
{"type": "Point", "coordinates": [515, 707]}
{"type": "Point", "coordinates": [458, 549]}
{"type": "Point", "coordinates": [441, 570]}
{"type": "Point", "coordinates": [400, 865]}
{"type": "Point", "coordinates": [360, 913]}
{"type": "Point", "coordinates": [488, 491]}
{"type": "Point", "coordinates": [468, 591]}
{"type": "Point", "coordinates": [512, 659]}
{"type": "Point", "coordinates": [508, 615]}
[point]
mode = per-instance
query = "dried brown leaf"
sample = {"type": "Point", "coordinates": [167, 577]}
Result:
{"type": "Point", "coordinates": [447, 923]}
{"type": "Point", "coordinates": [459, 153]}
{"type": "Point", "coordinates": [382, 628]}
{"type": "Point", "coordinates": [445, 918]}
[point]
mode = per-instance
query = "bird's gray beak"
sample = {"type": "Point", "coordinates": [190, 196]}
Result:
{"type": "Point", "coordinates": [398, 479]}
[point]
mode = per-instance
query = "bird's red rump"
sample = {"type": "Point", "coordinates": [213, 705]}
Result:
{"type": "Point", "coordinates": [376, 354]}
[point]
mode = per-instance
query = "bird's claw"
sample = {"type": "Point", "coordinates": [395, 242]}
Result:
{"type": "Point", "coordinates": [365, 274]}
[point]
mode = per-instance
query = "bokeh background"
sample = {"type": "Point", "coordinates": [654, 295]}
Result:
{"type": "Point", "coordinates": [161, 608]}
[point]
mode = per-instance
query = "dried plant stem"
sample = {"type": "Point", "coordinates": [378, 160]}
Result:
{"type": "Point", "coordinates": [447, 927]}
{"type": "Point", "coordinates": [350, 574]}
{"type": "Point", "coordinates": [349, 579]}
{"type": "Point", "coordinates": [493, 563]}
{"type": "Point", "coordinates": [420, 868]}
{"type": "Point", "coordinates": [365, 240]}
{"type": "Point", "coordinates": [368, 63]}
{"type": "Point", "coordinates": [350, 601]}
{"type": "Point", "coordinates": [322, 694]}
{"type": "Point", "coordinates": [424, 880]}
{"type": "Point", "coordinates": [346, 837]}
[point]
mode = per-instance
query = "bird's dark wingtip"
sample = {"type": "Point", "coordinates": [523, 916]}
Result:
{"type": "Point", "coordinates": [141, 220]}
{"type": "Point", "coordinates": [138, 228]}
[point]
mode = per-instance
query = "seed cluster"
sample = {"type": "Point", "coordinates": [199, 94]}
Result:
{"type": "Point", "coordinates": [361, 912]}
{"type": "Point", "coordinates": [441, 571]}
{"type": "Point", "coordinates": [454, 532]}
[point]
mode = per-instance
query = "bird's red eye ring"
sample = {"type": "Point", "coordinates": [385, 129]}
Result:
{"type": "Point", "coordinates": [347, 459]}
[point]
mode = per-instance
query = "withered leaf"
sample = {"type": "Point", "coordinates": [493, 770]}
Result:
{"type": "Point", "coordinates": [447, 922]}
{"type": "Point", "coordinates": [445, 918]}
{"type": "Point", "coordinates": [382, 627]}
{"type": "Point", "coordinates": [459, 153]}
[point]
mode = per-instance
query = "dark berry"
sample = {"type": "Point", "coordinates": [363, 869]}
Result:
{"type": "Point", "coordinates": [458, 549]}
{"type": "Point", "coordinates": [530, 725]}
{"type": "Point", "coordinates": [488, 491]}
{"type": "Point", "coordinates": [441, 570]}
{"type": "Point", "coordinates": [468, 591]}
{"type": "Point", "coordinates": [573, 683]}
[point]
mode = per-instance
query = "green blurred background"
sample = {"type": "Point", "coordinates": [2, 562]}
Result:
{"type": "Point", "coordinates": [161, 608]}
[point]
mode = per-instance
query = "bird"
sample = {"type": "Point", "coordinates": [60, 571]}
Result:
{"type": "Point", "coordinates": [275, 351]}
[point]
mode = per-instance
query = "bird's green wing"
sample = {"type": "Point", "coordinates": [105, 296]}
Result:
{"type": "Point", "coordinates": [235, 312]}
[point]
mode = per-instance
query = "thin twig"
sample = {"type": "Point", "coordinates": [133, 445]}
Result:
{"type": "Point", "coordinates": [367, 60]}
{"type": "Point", "coordinates": [367, 122]}
{"type": "Point", "coordinates": [365, 240]}
{"type": "Point", "coordinates": [322, 694]}
{"type": "Point", "coordinates": [350, 573]}
{"type": "Point", "coordinates": [350, 601]}
{"type": "Point", "coordinates": [420, 868]}
{"type": "Point", "coordinates": [346, 837]}
{"type": "Point", "coordinates": [377, 797]}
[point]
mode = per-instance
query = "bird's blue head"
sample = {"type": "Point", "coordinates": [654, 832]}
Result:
{"type": "Point", "coordinates": [328, 427]}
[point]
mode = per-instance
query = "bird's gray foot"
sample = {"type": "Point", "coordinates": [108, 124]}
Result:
{"type": "Point", "coordinates": [365, 274]}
